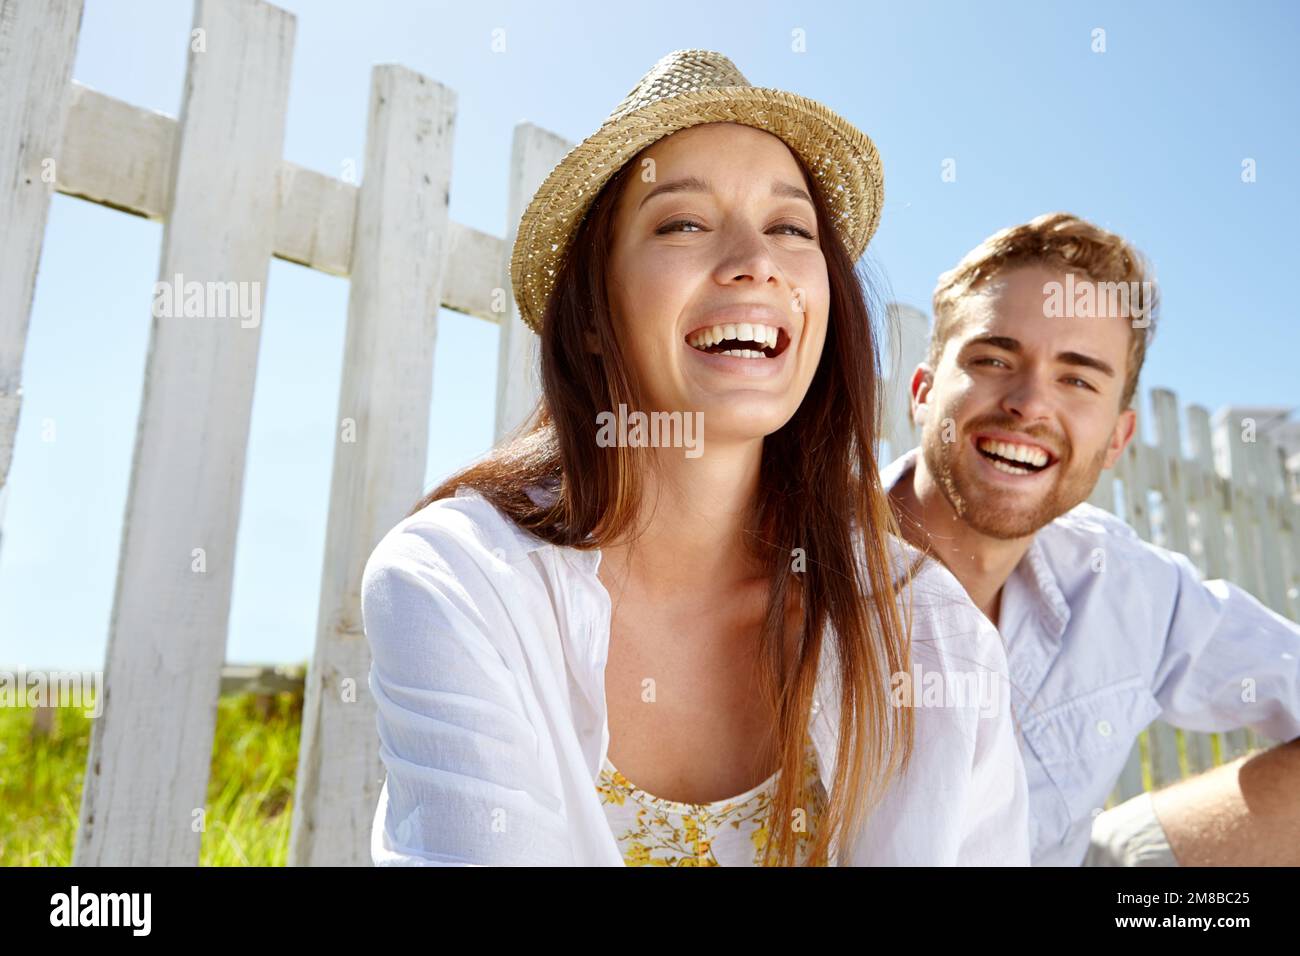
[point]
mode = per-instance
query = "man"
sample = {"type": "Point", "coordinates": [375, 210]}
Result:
{"type": "Point", "coordinates": [1023, 400]}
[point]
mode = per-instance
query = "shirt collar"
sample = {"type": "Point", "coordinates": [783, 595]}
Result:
{"type": "Point", "coordinates": [1041, 584]}
{"type": "Point", "coordinates": [524, 542]}
{"type": "Point", "coordinates": [1033, 574]}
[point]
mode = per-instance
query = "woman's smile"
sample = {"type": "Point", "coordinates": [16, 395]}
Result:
{"type": "Point", "coordinates": [749, 339]}
{"type": "Point", "coordinates": [751, 365]}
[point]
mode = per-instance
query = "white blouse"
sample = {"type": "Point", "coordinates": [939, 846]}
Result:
{"type": "Point", "coordinates": [488, 661]}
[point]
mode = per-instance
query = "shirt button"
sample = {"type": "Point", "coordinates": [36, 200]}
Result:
{"type": "Point", "coordinates": [1104, 728]}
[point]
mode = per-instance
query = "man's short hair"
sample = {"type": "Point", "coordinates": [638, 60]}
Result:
{"type": "Point", "coordinates": [1060, 241]}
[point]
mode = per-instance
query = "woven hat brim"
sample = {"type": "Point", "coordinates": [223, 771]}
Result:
{"type": "Point", "coordinates": [841, 156]}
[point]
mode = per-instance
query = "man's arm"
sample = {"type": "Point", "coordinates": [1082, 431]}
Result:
{"type": "Point", "coordinates": [1230, 662]}
{"type": "Point", "coordinates": [1244, 813]}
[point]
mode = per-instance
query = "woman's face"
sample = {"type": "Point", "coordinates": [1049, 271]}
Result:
{"type": "Point", "coordinates": [714, 235]}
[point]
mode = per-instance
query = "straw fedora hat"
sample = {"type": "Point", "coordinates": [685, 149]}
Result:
{"type": "Point", "coordinates": [689, 88]}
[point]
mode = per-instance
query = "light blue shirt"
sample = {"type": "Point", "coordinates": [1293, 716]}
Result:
{"type": "Point", "coordinates": [1105, 632]}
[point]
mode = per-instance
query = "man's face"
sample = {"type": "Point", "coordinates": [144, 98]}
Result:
{"type": "Point", "coordinates": [1022, 414]}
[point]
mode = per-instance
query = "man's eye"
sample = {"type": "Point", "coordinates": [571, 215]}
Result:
{"type": "Point", "coordinates": [984, 361]}
{"type": "Point", "coordinates": [1081, 382]}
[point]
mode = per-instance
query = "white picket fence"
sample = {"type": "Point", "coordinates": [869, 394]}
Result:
{"type": "Point", "coordinates": [229, 202]}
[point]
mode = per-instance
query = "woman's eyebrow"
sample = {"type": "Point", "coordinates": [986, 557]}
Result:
{"type": "Point", "coordinates": [788, 191]}
{"type": "Point", "coordinates": [694, 184]}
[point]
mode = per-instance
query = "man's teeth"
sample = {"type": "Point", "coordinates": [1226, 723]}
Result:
{"type": "Point", "coordinates": [1009, 469]}
{"type": "Point", "coordinates": [1034, 456]}
{"type": "Point", "coordinates": [764, 336]}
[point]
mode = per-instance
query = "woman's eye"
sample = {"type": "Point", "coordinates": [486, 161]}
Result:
{"type": "Point", "coordinates": [670, 227]}
{"type": "Point", "coordinates": [799, 230]}
{"type": "Point", "coordinates": [677, 225]}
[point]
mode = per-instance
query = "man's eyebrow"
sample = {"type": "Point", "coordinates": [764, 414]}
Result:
{"type": "Point", "coordinates": [1008, 344]}
{"type": "Point", "coordinates": [1004, 342]}
{"type": "Point", "coordinates": [694, 184]}
{"type": "Point", "coordinates": [1088, 361]}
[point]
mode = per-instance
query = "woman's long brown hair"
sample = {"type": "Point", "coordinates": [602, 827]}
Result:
{"type": "Point", "coordinates": [819, 484]}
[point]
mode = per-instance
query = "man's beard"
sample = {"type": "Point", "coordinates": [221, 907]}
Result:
{"type": "Point", "coordinates": [993, 510]}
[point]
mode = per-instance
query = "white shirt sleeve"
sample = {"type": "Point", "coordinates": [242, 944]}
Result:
{"type": "Point", "coordinates": [997, 803]}
{"type": "Point", "coordinates": [465, 785]}
{"type": "Point", "coordinates": [964, 798]}
{"type": "Point", "coordinates": [1228, 661]}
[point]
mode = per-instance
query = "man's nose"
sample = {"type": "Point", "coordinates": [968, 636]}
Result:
{"type": "Point", "coordinates": [1028, 398]}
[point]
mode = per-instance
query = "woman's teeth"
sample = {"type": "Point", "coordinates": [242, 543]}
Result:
{"type": "Point", "coordinates": [739, 337]}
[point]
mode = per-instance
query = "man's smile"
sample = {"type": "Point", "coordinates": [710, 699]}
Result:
{"type": "Point", "coordinates": [1018, 459]}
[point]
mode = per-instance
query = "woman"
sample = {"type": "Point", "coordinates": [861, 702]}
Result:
{"type": "Point", "coordinates": [599, 646]}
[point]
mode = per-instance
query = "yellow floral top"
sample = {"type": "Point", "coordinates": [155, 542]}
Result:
{"type": "Point", "coordinates": [652, 831]}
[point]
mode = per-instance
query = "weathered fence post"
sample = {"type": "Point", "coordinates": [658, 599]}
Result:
{"type": "Point", "coordinates": [150, 751]}
{"type": "Point", "coordinates": [534, 153]}
{"type": "Point", "coordinates": [1165, 473]}
{"type": "Point", "coordinates": [908, 333]}
{"type": "Point", "coordinates": [381, 448]}
{"type": "Point", "coordinates": [38, 42]}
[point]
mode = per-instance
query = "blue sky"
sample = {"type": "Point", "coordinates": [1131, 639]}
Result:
{"type": "Point", "coordinates": [1146, 138]}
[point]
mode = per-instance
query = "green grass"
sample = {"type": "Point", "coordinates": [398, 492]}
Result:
{"type": "Point", "coordinates": [250, 790]}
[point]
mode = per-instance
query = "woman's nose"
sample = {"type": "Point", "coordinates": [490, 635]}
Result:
{"type": "Point", "coordinates": [747, 256]}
